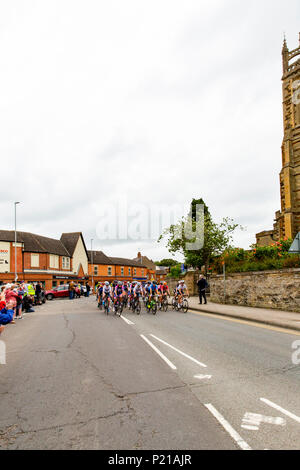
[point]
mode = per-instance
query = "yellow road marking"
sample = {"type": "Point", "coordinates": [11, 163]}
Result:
{"type": "Point", "coordinates": [248, 322]}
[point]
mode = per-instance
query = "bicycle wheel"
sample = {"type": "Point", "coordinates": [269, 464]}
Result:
{"type": "Point", "coordinates": [185, 305]}
{"type": "Point", "coordinates": [154, 308]}
{"type": "Point", "coordinates": [138, 308]}
{"type": "Point", "coordinates": [165, 305]}
{"type": "Point", "coordinates": [174, 303]}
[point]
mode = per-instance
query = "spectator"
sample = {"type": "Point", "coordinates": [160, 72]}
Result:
{"type": "Point", "coordinates": [7, 313]}
{"type": "Point", "coordinates": [71, 290]}
{"type": "Point", "coordinates": [38, 293]}
{"type": "Point", "coordinates": [202, 285]}
{"type": "Point", "coordinates": [88, 288]}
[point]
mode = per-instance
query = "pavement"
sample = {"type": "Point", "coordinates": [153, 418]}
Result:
{"type": "Point", "coordinates": [277, 318]}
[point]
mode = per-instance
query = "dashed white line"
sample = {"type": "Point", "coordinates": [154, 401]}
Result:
{"type": "Point", "coordinates": [201, 377]}
{"type": "Point", "coordinates": [127, 321]}
{"type": "Point", "coordinates": [279, 408]}
{"type": "Point", "coordinates": [180, 352]}
{"type": "Point", "coordinates": [170, 364]}
{"type": "Point", "coordinates": [237, 438]}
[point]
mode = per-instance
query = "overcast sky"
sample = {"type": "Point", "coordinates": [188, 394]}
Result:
{"type": "Point", "coordinates": [152, 101]}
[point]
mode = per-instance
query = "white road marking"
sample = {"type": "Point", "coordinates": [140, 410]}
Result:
{"type": "Point", "coordinates": [279, 408]}
{"type": "Point", "coordinates": [178, 350]}
{"type": "Point", "coordinates": [159, 353]}
{"type": "Point", "coordinates": [201, 377]}
{"type": "Point", "coordinates": [252, 421]}
{"type": "Point", "coordinates": [237, 438]}
{"type": "Point", "coordinates": [127, 321]}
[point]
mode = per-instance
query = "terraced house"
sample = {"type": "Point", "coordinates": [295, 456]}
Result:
{"type": "Point", "coordinates": [55, 262]}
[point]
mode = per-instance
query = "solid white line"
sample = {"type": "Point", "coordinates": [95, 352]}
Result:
{"type": "Point", "coordinates": [127, 321]}
{"type": "Point", "coordinates": [277, 407]}
{"type": "Point", "coordinates": [241, 443]}
{"type": "Point", "coordinates": [159, 353]}
{"type": "Point", "coordinates": [180, 352]}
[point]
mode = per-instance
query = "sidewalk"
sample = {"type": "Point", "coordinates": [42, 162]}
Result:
{"type": "Point", "coordinates": [279, 318]}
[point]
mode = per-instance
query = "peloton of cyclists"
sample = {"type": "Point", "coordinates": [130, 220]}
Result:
{"type": "Point", "coordinates": [127, 292]}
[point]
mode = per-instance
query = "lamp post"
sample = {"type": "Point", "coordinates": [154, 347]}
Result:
{"type": "Point", "coordinates": [92, 265]}
{"type": "Point", "coordinates": [16, 275]}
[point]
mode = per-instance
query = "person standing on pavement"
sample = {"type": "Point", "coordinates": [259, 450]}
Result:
{"type": "Point", "coordinates": [71, 290]}
{"type": "Point", "coordinates": [88, 288]}
{"type": "Point", "coordinates": [202, 285]}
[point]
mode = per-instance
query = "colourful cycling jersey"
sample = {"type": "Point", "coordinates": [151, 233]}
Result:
{"type": "Point", "coordinates": [106, 290]}
{"type": "Point", "coordinates": [118, 290]}
{"type": "Point", "coordinates": [137, 290]}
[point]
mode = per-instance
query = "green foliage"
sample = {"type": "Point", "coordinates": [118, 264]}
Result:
{"type": "Point", "coordinates": [175, 272]}
{"type": "Point", "coordinates": [166, 262]}
{"type": "Point", "coordinates": [259, 258]}
{"type": "Point", "coordinates": [216, 237]}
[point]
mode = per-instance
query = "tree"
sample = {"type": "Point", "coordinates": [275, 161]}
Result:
{"type": "Point", "coordinates": [216, 237]}
{"type": "Point", "coordinates": [166, 262]}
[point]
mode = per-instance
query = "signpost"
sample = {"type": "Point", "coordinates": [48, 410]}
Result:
{"type": "Point", "coordinates": [295, 246]}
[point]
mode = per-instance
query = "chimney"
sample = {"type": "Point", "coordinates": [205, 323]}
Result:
{"type": "Point", "coordinates": [139, 255]}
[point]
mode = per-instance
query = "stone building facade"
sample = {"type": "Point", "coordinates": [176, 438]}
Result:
{"type": "Point", "coordinates": [287, 220]}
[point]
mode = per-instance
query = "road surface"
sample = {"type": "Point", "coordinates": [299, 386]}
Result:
{"type": "Point", "coordinates": [77, 379]}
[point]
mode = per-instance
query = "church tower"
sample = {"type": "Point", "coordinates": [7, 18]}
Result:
{"type": "Point", "coordinates": [287, 220]}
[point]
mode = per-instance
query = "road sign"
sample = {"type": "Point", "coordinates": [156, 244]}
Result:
{"type": "Point", "coordinates": [295, 246]}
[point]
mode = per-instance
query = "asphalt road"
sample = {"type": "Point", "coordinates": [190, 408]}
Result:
{"type": "Point", "coordinates": [78, 379]}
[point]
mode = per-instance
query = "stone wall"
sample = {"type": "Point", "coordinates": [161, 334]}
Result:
{"type": "Point", "coordinates": [268, 289]}
{"type": "Point", "coordinates": [190, 278]}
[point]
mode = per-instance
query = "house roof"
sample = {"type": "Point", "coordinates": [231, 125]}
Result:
{"type": "Point", "coordinates": [99, 257]}
{"type": "Point", "coordinates": [70, 241]}
{"type": "Point", "coordinates": [126, 262]}
{"type": "Point", "coordinates": [144, 260]}
{"type": "Point", "coordinates": [35, 243]}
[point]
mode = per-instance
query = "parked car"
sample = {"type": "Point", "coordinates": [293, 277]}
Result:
{"type": "Point", "coordinates": [59, 291]}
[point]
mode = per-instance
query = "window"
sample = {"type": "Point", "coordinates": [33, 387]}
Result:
{"type": "Point", "coordinates": [134, 272]}
{"type": "Point", "coordinates": [96, 270]}
{"type": "Point", "coordinates": [65, 262]}
{"type": "Point", "coordinates": [129, 271]}
{"type": "Point", "coordinates": [142, 273]}
{"type": "Point", "coordinates": [109, 270]}
{"type": "Point", "coordinates": [54, 260]}
{"type": "Point", "coordinates": [35, 260]}
{"type": "Point", "coordinates": [54, 283]}
{"type": "Point", "coordinates": [122, 271]}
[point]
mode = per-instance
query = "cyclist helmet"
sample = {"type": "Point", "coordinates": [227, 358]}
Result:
{"type": "Point", "coordinates": [106, 283]}
{"type": "Point", "coordinates": [120, 283]}
{"type": "Point", "coordinates": [155, 283]}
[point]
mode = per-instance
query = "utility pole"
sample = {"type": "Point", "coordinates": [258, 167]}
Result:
{"type": "Point", "coordinates": [92, 265]}
{"type": "Point", "coordinates": [16, 274]}
{"type": "Point", "coordinates": [224, 276]}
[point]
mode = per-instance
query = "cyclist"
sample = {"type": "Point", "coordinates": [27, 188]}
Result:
{"type": "Point", "coordinates": [182, 291]}
{"type": "Point", "coordinates": [107, 293]}
{"type": "Point", "coordinates": [99, 295]}
{"type": "Point", "coordinates": [138, 290]}
{"type": "Point", "coordinates": [164, 289]}
{"type": "Point", "coordinates": [118, 293]}
{"type": "Point", "coordinates": [131, 293]}
{"type": "Point", "coordinates": [125, 296]}
{"type": "Point", "coordinates": [153, 290]}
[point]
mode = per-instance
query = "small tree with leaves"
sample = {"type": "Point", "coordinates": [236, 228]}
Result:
{"type": "Point", "coordinates": [216, 237]}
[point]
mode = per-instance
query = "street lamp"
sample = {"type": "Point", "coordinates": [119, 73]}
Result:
{"type": "Point", "coordinates": [16, 275]}
{"type": "Point", "coordinates": [92, 265]}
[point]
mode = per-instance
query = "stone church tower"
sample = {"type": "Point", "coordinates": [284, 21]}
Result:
{"type": "Point", "coordinates": [287, 221]}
